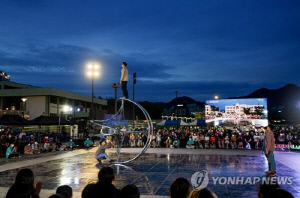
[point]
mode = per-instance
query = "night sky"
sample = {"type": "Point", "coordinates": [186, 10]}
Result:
{"type": "Point", "coordinates": [200, 48]}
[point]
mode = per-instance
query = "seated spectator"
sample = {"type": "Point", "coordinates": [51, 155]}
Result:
{"type": "Point", "coordinates": [11, 152]}
{"type": "Point", "coordinates": [280, 193]}
{"type": "Point", "coordinates": [176, 143]}
{"type": "Point", "coordinates": [28, 150]}
{"type": "Point", "coordinates": [130, 191]}
{"type": "Point", "coordinates": [180, 188]}
{"type": "Point", "coordinates": [65, 191]}
{"type": "Point", "coordinates": [206, 139]}
{"type": "Point", "coordinates": [233, 141]}
{"type": "Point", "coordinates": [3, 144]}
{"type": "Point", "coordinates": [24, 185]}
{"type": "Point", "coordinates": [105, 178]}
{"type": "Point", "coordinates": [212, 141]}
{"type": "Point", "coordinates": [265, 189]}
{"type": "Point", "coordinates": [71, 144]}
{"type": "Point", "coordinates": [202, 193]}
{"type": "Point", "coordinates": [36, 147]}
{"type": "Point", "coordinates": [47, 147]}
{"type": "Point", "coordinates": [87, 143]}
{"type": "Point", "coordinates": [57, 196]}
{"type": "Point", "coordinates": [168, 142]}
{"type": "Point", "coordinates": [98, 190]}
{"type": "Point", "coordinates": [190, 144]}
{"type": "Point", "coordinates": [58, 145]}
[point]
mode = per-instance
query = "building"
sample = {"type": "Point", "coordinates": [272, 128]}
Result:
{"type": "Point", "coordinates": [239, 109]}
{"type": "Point", "coordinates": [32, 101]}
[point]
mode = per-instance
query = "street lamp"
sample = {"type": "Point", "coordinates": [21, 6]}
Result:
{"type": "Point", "coordinates": [93, 72]}
{"type": "Point", "coordinates": [23, 106]}
{"type": "Point", "coordinates": [216, 97]}
{"type": "Point", "coordinates": [65, 108]}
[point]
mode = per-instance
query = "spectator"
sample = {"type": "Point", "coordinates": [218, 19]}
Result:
{"type": "Point", "coordinates": [87, 143]}
{"type": "Point", "coordinates": [71, 144]}
{"type": "Point", "coordinates": [11, 152]}
{"type": "Point", "coordinates": [168, 142]}
{"type": "Point", "coordinates": [202, 193]}
{"type": "Point", "coordinates": [130, 191]}
{"type": "Point", "coordinates": [132, 140]}
{"type": "Point", "coordinates": [65, 190]}
{"type": "Point", "coordinates": [180, 188]}
{"type": "Point", "coordinates": [233, 141]}
{"type": "Point", "coordinates": [47, 147]}
{"type": "Point", "coordinates": [57, 196]}
{"type": "Point", "coordinates": [24, 185]}
{"type": "Point", "coordinates": [190, 144]}
{"type": "Point", "coordinates": [36, 147]}
{"type": "Point", "coordinates": [22, 134]}
{"type": "Point", "coordinates": [28, 150]}
{"type": "Point", "coordinates": [266, 188]}
{"type": "Point", "coordinates": [158, 139]}
{"type": "Point", "coordinates": [91, 191]}
{"type": "Point", "coordinates": [280, 193]}
{"type": "Point", "coordinates": [176, 143]}
{"type": "Point", "coordinates": [105, 178]}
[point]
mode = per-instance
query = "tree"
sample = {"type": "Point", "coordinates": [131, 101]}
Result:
{"type": "Point", "coordinates": [247, 111]}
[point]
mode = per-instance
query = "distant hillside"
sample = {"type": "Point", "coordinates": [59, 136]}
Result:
{"type": "Point", "coordinates": [286, 100]}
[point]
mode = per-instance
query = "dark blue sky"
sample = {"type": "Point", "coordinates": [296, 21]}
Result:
{"type": "Point", "coordinates": [200, 48]}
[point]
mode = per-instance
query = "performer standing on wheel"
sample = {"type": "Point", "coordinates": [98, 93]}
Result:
{"type": "Point", "coordinates": [124, 79]}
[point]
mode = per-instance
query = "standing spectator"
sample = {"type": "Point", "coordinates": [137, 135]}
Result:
{"type": "Point", "coordinates": [168, 142]}
{"type": "Point", "coordinates": [22, 134]}
{"type": "Point", "coordinates": [24, 185]}
{"type": "Point", "coordinates": [132, 140]}
{"type": "Point", "coordinates": [221, 140]}
{"type": "Point", "coordinates": [158, 139]}
{"type": "Point", "coordinates": [233, 141]}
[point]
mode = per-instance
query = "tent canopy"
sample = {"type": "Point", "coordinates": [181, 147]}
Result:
{"type": "Point", "coordinates": [49, 120]}
{"type": "Point", "coordinates": [13, 120]}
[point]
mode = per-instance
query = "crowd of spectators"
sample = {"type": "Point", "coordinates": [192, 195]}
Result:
{"type": "Point", "coordinates": [212, 137]}
{"type": "Point", "coordinates": [25, 187]}
{"type": "Point", "coordinates": [13, 144]}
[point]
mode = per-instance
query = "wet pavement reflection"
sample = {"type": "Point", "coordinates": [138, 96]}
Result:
{"type": "Point", "coordinates": [154, 173]}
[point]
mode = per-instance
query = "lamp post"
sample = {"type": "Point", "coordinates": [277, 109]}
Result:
{"type": "Point", "coordinates": [115, 86]}
{"type": "Point", "coordinates": [176, 111]}
{"type": "Point", "coordinates": [23, 106]}
{"type": "Point", "coordinates": [92, 71]}
{"type": "Point", "coordinates": [65, 109]}
{"type": "Point", "coordinates": [216, 97]}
